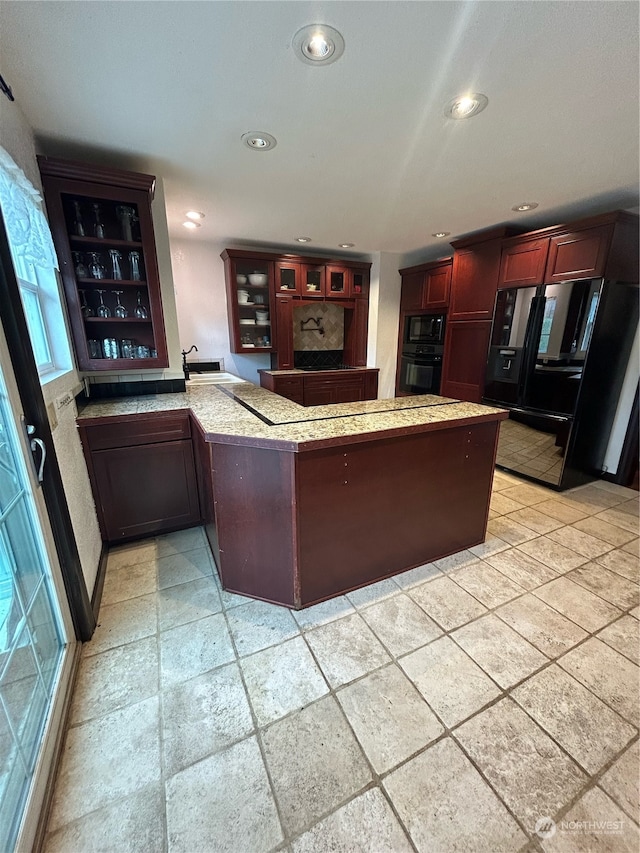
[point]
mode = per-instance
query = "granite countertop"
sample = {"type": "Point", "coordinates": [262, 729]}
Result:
{"type": "Point", "coordinates": [243, 413]}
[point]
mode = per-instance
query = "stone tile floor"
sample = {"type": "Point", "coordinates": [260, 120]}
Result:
{"type": "Point", "coordinates": [486, 702]}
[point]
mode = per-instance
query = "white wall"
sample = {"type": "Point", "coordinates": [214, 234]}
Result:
{"type": "Point", "coordinates": [623, 412]}
{"type": "Point", "coordinates": [384, 315]}
{"type": "Point", "coordinates": [16, 137]}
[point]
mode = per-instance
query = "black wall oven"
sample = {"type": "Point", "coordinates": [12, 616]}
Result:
{"type": "Point", "coordinates": [421, 369]}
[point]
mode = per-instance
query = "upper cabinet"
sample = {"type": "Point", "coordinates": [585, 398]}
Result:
{"type": "Point", "coordinates": [426, 287]}
{"type": "Point", "coordinates": [578, 254]}
{"type": "Point", "coordinates": [250, 303]}
{"type": "Point", "coordinates": [476, 265]}
{"type": "Point", "coordinates": [103, 233]}
{"type": "Point", "coordinates": [523, 263]}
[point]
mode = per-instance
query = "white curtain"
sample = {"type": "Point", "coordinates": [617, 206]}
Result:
{"type": "Point", "coordinates": [27, 228]}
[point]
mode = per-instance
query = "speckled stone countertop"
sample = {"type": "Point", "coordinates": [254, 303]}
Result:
{"type": "Point", "coordinates": [243, 413]}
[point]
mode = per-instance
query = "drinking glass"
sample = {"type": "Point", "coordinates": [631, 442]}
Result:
{"type": "Point", "coordinates": [127, 348]}
{"type": "Point", "coordinates": [98, 228]}
{"type": "Point", "coordinates": [95, 350]}
{"type": "Point", "coordinates": [85, 310]}
{"type": "Point", "coordinates": [81, 270]}
{"type": "Point", "coordinates": [140, 311]}
{"type": "Point", "coordinates": [96, 270]}
{"type": "Point", "coordinates": [143, 352]}
{"type": "Point", "coordinates": [116, 272]}
{"type": "Point", "coordinates": [126, 215]}
{"type": "Point", "coordinates": [120, 310]}
{"type": "Point", "coordinates": [78, 225]}
{"type": "Point", "coordinates": [134, 263]}
{"type": "Point", "coordinates": [103, 310]}
{"type": "Point", "coordinates": [110, 348]}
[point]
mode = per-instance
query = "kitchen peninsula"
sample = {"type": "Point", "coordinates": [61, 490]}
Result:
{"type": "Point", "coordinates": [303, 504]}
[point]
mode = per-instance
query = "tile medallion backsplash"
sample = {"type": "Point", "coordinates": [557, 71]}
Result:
{"type": "Point", "coordinates": [330, 319]}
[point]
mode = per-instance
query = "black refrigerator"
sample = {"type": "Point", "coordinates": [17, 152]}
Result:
{"type": "Point", "coordinates": [557, 360]}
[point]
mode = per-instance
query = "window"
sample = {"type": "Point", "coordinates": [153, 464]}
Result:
{"type": "Point", "coordinates": [35, 264]}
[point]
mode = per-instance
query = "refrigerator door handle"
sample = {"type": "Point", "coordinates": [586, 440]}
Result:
{"type": "Point", "coordinates": [530, 347]}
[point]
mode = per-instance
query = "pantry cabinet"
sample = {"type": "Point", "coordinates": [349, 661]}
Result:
{"type": "Point", "coordinates": [103, 233]}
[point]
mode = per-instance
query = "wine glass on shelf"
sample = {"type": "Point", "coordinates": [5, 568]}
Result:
{"type": "Point", "coordinates": [116, 271]}
{"type": "Point", "coordinates": [103, 310]}
{"type": "Point", "coordinates": [120, 311]}
{"type": "Point", "coordinates": [96, 269]}
{"type": "Point", "coordinates": [85, 309]}
{"type": "Point", "coordinates": [140, 312]}
{"type": "Point", "coordinates": [80, 268]}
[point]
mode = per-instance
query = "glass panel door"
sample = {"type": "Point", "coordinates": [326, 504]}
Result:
{"type": "Point", "coordinates": [32, 630]}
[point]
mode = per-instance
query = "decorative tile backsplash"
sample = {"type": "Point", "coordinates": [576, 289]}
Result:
{"type": "Point", "coordinates": [329, 317]}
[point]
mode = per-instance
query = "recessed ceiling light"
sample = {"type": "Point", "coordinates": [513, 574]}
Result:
{"type": "Point", "coordinates": [194, 214]}
{"type": "Point", "coordinates": [303, 239]}
{"type": "Point", "coordinates": [526, 205]}
{"type": "Point", "coordinates": [318, 44]}
{"type": "Point", "coordinates": [465, 106]}
{"type": "Point", "coordinates": [441, 234]}
{"type": "Point", "coordinates": [191, 225]}
{"type": "Point", "coordinates": [259, 141]}
{"type": "Point", "coordinates": [346, 245]}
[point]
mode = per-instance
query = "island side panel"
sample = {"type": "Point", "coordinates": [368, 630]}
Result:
{"type": "Point", "coordinates": [254, 511]}
{"type": "Point", "coordinates": [371, 510]}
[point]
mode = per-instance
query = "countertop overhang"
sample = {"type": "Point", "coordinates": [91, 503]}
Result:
{"type": "Point", "coordinates": [244, 414]}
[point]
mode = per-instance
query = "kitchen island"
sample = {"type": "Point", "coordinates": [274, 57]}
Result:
{"type": "Point", "coordinates": [303, 504]}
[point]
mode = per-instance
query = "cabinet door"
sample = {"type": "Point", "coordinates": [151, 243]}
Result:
{"type": "Point", "coordinates": [465, 360]}
{"type": "Point", "coordinates": [313, 280]}
{"type": "Point", "coordinates": [411, 293]}
{"type": "Point", "coordinates": [523, 264]}
{"type": "Point", "coordinates": [474, 281]}
{"type": "Point", "coordinates": [290, 387]}
{"type": "Point", "coordinates": [146, 489]}
{"type": "Point", "coordinates": [318, 394]}
{"type": "Point", "coordinates": [284, 332]}
{"type": "Point", "coordinates": [249, 303]}
{"type": "Point", "coordinates": [359, 283]}
{"type": "Point", "coordinates": [337, 282]}
{"type": "Point", "coordinates": [288, 277]}
{"type": "Point", "coordinates": [356, 319]}
{"type": "Point", "coordinates": [437, 283]}
{"type": "Point", "coordinates": [578, 254]}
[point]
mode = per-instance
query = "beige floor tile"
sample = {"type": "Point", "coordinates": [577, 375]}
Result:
{"type": "Point", "coordinates": [447, 603]}
{"type": "Point", "coordinates": [365, 824]}
{"type": "Point", "coordinates": [607, 674]}
{"type": "Point", "coordinates": [346, 649]}
{"type": "Point", "coordinates": [127, 582]}
{"type": "Point", "coordinates": [536, 520]}
{"type": "Point", "coordinates": [373, 593]}
{"type": "Point", "coordinates": [208, 804]}
{"type": "Point", "coordinates": [580, 829]}
{"type": "Point", "coordinates": [191, 649]}
{"type": "Point", "coordinates": [592, 498]}
{"type": "Point", "coordinates": [323, 613]}
{"type": "Point", "coordinates": [622, 780]}
{"type": "Point", "coordinates": [115, 678]}
{"type": "Point", "coordinates": [601, 529]}
{"type": "Point", "coordinates": [503, 505]}
{"type": "Point", "coordinates": [447, 806]}
{"type": "Point", "coordinates": [613, 588]}
{"type": "Point", "coordinates": [489, 586]}
{"type": "Point", "coordinates": [620, 519]}
{"type": "Point", "coordinates": [632, 507]}
{"type": "Point", "coordinates": [588, 729]}
{"type": "Point", "coordinates": [315, 763]}
{"type": "Point", "coordinates": [181, 568]}
{"type": "Point", "coordinates": [187, 602]}
{"type": "Point", "coordinates": [499, 650]}
{"type": "Point", "coordinates": [580, 542]}
{"type": "Point", "coordinates": [491, 545]}
{"type": "Point", "coordinates": [526, 494]}
{"type": "Point", "coordinates": [633, 547]}
{"type": "Point", "coordinates": [565, 511]}
{"type": "Point", "coordinates": [624, 637]}
{"type": "Point", "coordinates": [541, 625]}
{"type": "Point", "coordinates": [202, 716]}
{"type": "Point", "coordinates": [521, 568]}
{"type": "Point", "coordinates": [526, 768]}
{"type": "Point", "coordinates": [417, 576]}
{"type": "Point", "coordinates": [622, 563]}
{"type": "Point", "coordinates": [107, 759]}
{"type": "Point", "coordinates": [257, 625]}
{"type": "Point", "coordinates": [131, 554]}
{"type": "Point", "coordinates": [400, 624]}
{"type": "Point", "coordinates": [389, 717]}
{"type": "Point", "coordinates": [552, 554]}
{"type": "Point", "coordinates": [132, 825]}
{"type": "Point", "coordinates": [123, 623]}
{"type": "Point", "coordinates": [282, 679]}
{"type": "Point", "coordinates": [623, 492]}
{"type": "Point", "coordinates": [578, 604]}
{"type": "Point", "coordinates": [456, 561]}
{"type": "Point", "coordinates": [635, 613]}
{"type": "Point", "coordinates": [509, 530]}
{"type": "Point", "coordinates": [180, 541]}
{"type": "Point", "coordinates": [453, 685]}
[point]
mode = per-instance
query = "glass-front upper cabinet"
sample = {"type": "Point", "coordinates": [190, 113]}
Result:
{"type": "Point", "coordinates": [103, 232]}
{"type": "Point", "coordinates": [249, 295]}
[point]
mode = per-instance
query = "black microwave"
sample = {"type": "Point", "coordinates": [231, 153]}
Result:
{"type": "Point", "coordinates": [424, 329]}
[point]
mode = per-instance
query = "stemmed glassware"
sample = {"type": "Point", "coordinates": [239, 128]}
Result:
{"type": "Point", "coordinates": [134, 262]}
{"type": "Point", "coordinates": [85, 310]}
{"type": "Point", "coordinates": [120, 310]}
{"type": "Point", "coordinates": [140, 311]}
{"type": "Point", "coordinates": [96, 269]}
{"type": "Point", "coordinates": [98, 227]}
{"type": "Point", "coordinates": [103, 310]}
{"type": "Point", "coordinates": [81, 270]}
{"type": "Point", "coordinates": [116, 272]}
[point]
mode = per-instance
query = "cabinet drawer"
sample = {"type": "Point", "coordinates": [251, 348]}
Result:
{"type": "Point", "coordinates": [145, 430]}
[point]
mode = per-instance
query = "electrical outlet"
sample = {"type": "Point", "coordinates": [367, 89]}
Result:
{"type": "Point", "coordinates": [64, 400]}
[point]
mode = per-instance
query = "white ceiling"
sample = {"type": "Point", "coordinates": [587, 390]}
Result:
{"type": "Point", "coordinates": [364, 152]}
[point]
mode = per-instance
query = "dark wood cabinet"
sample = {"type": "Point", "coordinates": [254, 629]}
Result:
{"type": "Point", "coordinates": [250, 301]}
{"type": "Point", "coordinates": [103, 233]}
{"type": "Point", "coordinates": [578, 254]}
{"type": "Point", "coordinates": [142, 474]}
{"type": "Point", "coordinates": [425, 287]}
{"type": "Point", "coordinates": [289, 386]}
{"type": "Point", "coordinates": [523, 263]}
{"type": "Point", "coordinates": [284, 333]}
{"type": "Point", "coordinates": [476, 266]}
{"type": "Point", "coordinates": [356, 324]}
{"type": "Point", "coordinates": [323, 387]}
{"type": "Point", "coordinates": [466, 345]}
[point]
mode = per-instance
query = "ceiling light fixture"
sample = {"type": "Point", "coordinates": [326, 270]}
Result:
{"type": "Point", "coordinates": [526, 205]}
{"type": "Point", "coordinates": [441, 234]}
{"type": "Point", "coordinates": [318, 44]}
{"type": "Point", "coordinates": [346, 245]}
{"type": "Point", "coordinates": [259, 141]}
{"type": "Point", "coordinates": [465, 106]}
{"type": "Point", "coordinates": [303, 239]}
{"type": "Point", "coordinates": [191, 225]}
{"type": "Point", "coordinates": [194, 214]}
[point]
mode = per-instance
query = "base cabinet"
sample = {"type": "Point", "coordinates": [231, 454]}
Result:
{"type": "Point", "coordinates": [324, 387]}
{"type": "Point", "coordinates": [142, 474]}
